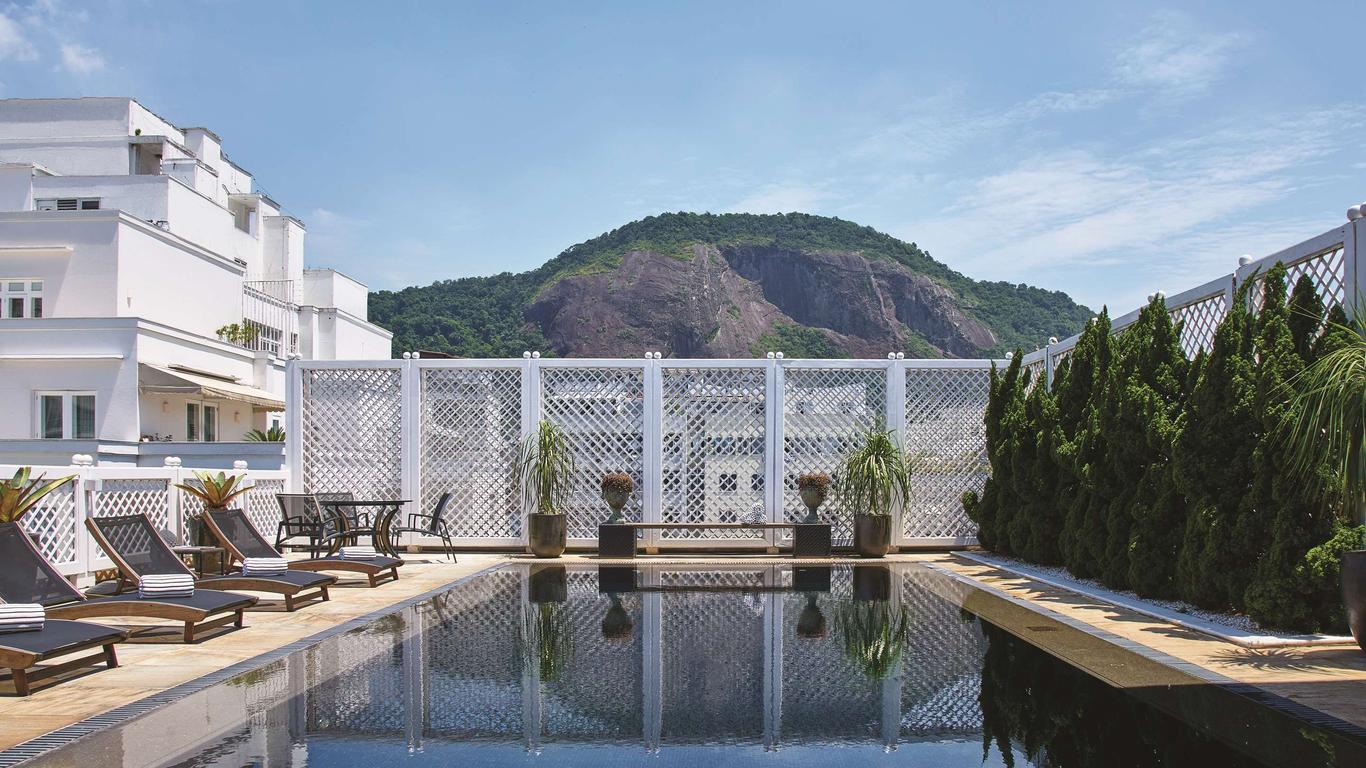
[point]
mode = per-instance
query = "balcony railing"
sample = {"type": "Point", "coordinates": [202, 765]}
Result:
{"type": "Point", "coordinates": [270, 318]}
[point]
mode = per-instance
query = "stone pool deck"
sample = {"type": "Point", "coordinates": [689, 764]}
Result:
{"type": "Point", "coordinates": [1126, 648]}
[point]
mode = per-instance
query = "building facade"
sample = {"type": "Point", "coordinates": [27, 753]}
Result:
{"type": "Point", "coordinates": [149, 292]}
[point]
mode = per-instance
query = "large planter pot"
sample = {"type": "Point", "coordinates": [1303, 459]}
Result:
{"type": "Point", "coordinates": [872, 535]}
{"type": "Point", "coordinates": [1354, 593]}
{"type": "Point", "coordinates": [546, 534]}
{"type": "Point", "coordinates": [812, 498]}
{"type": "Point", "coordinates": [615, 501]}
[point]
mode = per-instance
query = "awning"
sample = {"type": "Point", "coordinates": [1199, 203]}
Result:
{"type": "Point", "coordinates": [159, 380]}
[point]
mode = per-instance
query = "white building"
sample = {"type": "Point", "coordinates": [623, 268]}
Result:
{"type": "Point", "coordinates": [149, 296]}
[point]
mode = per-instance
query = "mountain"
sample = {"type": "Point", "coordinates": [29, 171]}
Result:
{"type": "Point", "coordinates": [729, 285]}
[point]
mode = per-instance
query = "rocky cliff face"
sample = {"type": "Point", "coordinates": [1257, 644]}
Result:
{"type": "Point", "coordinates": [723, 301]}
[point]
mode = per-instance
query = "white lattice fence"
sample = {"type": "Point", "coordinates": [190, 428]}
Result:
{"type": "Point", "coordinates": [601, 409]}
{"type": "Point", "coordinates": [714, 457]}
{"type": "Point", "coordinates": [1327, 269]}
{"type": "Point", "coordinates": [470, 426]}
{"type": "Point", "coordinates": [54, 523]}
{"type": "Point", "coordinates": [826, 412]}
{"type": "Point", "coordinates": [946, 442]}
{"type": "Point", "coordinates": [260, 505]}
{"type": "Point", "coordinates": [150, 496]}
{"type": "Point", "coordinates": [353, 432]}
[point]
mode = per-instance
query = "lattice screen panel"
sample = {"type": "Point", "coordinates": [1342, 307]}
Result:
{"type": "Point", "coordinates": [352, 423]}
{"type": "Point", "coordinates": [713, 652]}
{"type": "Point", "coordinates": [474, 672]}
{"type": "Point", "coordinates": [714, 455]}
{"type": "Point", "coordinates": [1199, 321]}
{"type": "Point", "coordinates": [941, 664]}
{"type": "Point", "coordinates": [151, 496]}
{"type": "Point", "coordinates": [260, 505]}
{"type": "Point", "coordinates": [1328, 270]}
{"type": "Point", "coordinates": [471, 425]}
{"type": "Point", "coordinates": [602, 412]}
{"type": "Point", "coordinates": [826, 412]}
{"type": "Point", "coordinates": [52, 524]}
{"type": "Point", "coordinates": [946, 441]}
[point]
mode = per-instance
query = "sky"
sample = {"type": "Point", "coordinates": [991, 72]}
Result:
{"type": "Point", "coordinates": [1107, 150]}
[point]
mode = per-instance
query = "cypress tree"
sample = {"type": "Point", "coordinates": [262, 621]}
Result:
{"type": "Point", "coordinates": [1045, 514]}
{"type": "Point", "coordinates": [1153, 402]}
{"type": "Point", "coordinates": [1083, 454]}
{"type": "Point", "coordinates": [1289, 508]}
{"type": "Point", "coordinates": [984, 509]}
{"type": "Point", "coordinates": [1213, 459]}
{"type": "Point", "coordinates": [1277, 362]}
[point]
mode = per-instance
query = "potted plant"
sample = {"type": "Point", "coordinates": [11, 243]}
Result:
{"type": "Point", "coordinates": [22, 493]}
{"type": "Point", "coordinates": [874, 477]}
{"type": "Point", "coordinates": [872, 635]}
{"type": "Point", "coordinates": [217, 492]}
{"type": "Point", "coordinates": [616, 490]}
{"type": "Point", "coordinates": [545, 470]}
{"type": "Point", "coordinates": [1328, 432]}
{"type": "Point", "coordinates": [813, 487]}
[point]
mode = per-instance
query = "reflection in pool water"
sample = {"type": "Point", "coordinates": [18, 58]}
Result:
{"type": "Point", "coordinates": [666, 665]}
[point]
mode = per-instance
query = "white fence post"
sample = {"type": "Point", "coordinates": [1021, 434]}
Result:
{"type": "Point", "coordinates": [775, 474]}
{"type": "Point", "coordinates": [410, 483]}
{"type": "Point", "coordinates": [294, 426]}
{"type": "Point", "coordinates": [1354, 271]}
{"type": "Point", "coordinates": [652, 472]}
{"type": "Point", "coordinates": [896, 421]}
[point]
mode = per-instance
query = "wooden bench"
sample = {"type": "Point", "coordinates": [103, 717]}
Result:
{"type": "Point", "coordinates": [619, 539]}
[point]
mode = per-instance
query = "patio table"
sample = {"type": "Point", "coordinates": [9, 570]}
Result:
{"type": "Point", "coordinates": [382, 513]}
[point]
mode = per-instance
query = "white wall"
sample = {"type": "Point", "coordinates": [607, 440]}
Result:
{"type": "Point", "coordinates": [142, 197]}
{"type": "Point", "coordinates": [114, 381]}
{"type": "Point", "coordinates": [353, 338]}
{"type": "Point", "coordinates": [282, 246]}
{"type": "Point", "coordinates": [73, 252]}
{"type": "Point", "coordinates": [16, 187]}
{"type": "Point", "coordinates": [330, 288]}
{"type": "Point", "coordinates": [161, 281]}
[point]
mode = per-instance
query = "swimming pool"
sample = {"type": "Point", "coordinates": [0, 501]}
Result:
{"type": "Point", "coordinates": [682, 665]}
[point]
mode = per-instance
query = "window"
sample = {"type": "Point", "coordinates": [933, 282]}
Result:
{"type": "Point", "coordinates": [65, 415]}
{"type": "Point", "coordinates": [21, 297]}
{"type": "Point", "coordinates": [67, 204]}
{"type": "Point", "coordinates": [201, 422]}
{"type": "Point", "coordinates": [728, 482]}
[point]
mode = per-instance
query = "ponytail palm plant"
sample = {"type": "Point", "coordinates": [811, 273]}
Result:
{"type": "Point", "coordinates": [875, 475]}
{"type": "Point", "coordinates": [546, 467]}
{"type": "Point", "coordinates": [1328, 429]}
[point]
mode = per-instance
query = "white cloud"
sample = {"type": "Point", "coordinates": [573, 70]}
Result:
{"type": "Point", "coordinates": [1172, 57]}
{"type": "Point", "coordinates": [1180, 206]}
{"type": "Point", "coordinates": [81, 60]}
{"type": "Point", "coordinates": [14, 45]}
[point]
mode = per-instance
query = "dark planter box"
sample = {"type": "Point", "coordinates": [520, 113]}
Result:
{"type": "Point", "coordinates": [614, 579]}
{"type": "Point", "coordinates": [1354, 593]}
{"type": "Point", "coordinates": [548, 584]}
{"type": "Point", "coordinates": [872, 535]}
{"type": "Point", "coordinates": [811, 540]}
{"type": "Point", "coordinates": [546, 534]}
{"type": "Point", "coordinates": [872, 583]}
{"type": "Point", "coordinates": [616, 540]}
{"type": "Point", "coordinates": [811, 578]}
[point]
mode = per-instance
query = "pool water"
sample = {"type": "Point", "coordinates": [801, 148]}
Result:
{"type": "Point", "coordinates": [670, 665]}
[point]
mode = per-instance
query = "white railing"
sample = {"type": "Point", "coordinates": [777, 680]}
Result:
{"type": "Point", "coordinates": [57, 525]}
{"type": "Point", "coordinates": [704, 440]}
{"type": "Point", "coordinates": [270, 314]}
{"type": "Point", "coordinates": [1332, 260]}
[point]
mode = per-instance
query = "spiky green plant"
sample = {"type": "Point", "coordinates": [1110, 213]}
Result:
{"type": "Point", "coordinates": [273, 435]}
{"type": "Point", "coordinates": [216, 491]}
{"type": "Point", "coordinates": [545, 641]}
{"type": "Point", "coordinates": [22, 493]}
{"type": "Point", "coordinates": [546, 468]}
{"type": "Point", "coordinates": [1329, 422]}
{"type": "Point", "coordinates": [876, 474]}
{"type": "Point", "coordinates": [873, 635]}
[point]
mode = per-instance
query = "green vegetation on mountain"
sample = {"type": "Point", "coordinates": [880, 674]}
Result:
{"type": "Point", "coordinates": [487, 316]}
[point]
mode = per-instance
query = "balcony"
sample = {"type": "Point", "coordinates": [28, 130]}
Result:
{"type": "Point", "coordinates": [270, 318]}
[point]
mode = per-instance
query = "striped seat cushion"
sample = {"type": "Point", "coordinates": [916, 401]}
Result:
{"type": "Point", "coordinates": [155, 585]}
{"type": "Point", "coordinates": [358, 553]}
{"type": "Point", "coordinates": [21, 617]}
{"type": "Point", "coordinates": [264, 566]}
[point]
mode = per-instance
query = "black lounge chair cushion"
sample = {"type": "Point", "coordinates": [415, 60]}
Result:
{"type": "Point", "coordinates": [378, 562]}
{"type": "Point", "coordinates": [210, 600]}
{"type": "Point", "coordinates": [300, 579]}
{"type": "Point", "coordinates": [59, 636]}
